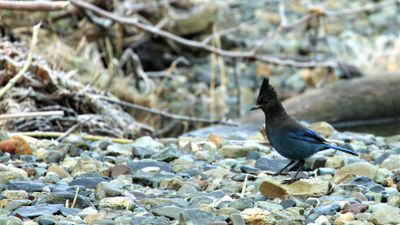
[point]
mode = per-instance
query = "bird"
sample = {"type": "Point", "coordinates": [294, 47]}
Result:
{"type": "Point", "coordinates": [288, 137]}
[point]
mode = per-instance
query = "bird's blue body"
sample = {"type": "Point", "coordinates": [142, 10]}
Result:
{"type": "Point", "coordinates": [288, 137]}
{"type": "Point", "coordinates": [295, 142]}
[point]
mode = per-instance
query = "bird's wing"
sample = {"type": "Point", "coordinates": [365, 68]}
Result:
{"type": "Point", "coordinates": [307, 135]}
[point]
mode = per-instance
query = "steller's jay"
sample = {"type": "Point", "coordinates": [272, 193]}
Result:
{"type": "Point", "coordinates": [288, 137]}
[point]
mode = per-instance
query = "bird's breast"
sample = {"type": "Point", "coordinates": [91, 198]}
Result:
{"type": "Point", "coordinates": [288, 147]}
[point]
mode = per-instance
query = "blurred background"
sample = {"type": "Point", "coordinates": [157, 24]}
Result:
{"type": "Point", "coordinates": [143, 67]}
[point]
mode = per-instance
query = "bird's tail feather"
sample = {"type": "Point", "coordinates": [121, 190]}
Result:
{"type": "Point", "coordinates": [342, 149]}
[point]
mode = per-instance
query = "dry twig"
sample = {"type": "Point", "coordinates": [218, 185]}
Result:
{"type": "Point", "coordinates": [34, 5]}
{"type": "Point", "coordinates": [75, 197]}
{"type": "Point", "coordinates": [73, 129]}
{"type": "Point", "coordinates": [244, 186]}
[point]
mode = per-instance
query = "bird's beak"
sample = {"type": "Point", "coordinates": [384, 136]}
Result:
{"type": "Point", "coordinates": [255, 107]}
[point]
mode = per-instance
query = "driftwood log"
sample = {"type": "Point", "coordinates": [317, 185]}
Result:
{"type": "Point", "coordinates": [360, 101]}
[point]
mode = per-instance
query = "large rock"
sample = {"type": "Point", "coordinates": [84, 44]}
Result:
{"type": "Point", "coordinates": [272, 187]}
{"type": "Point", "coordinates": [359, 169]}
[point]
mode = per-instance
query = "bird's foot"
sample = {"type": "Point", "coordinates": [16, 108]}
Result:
{"type": "Point", "coordinates": [278, 173]}
{"type": "Point", "coordinates": [290, 181]}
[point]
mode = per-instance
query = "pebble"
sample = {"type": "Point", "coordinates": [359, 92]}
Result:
{"type": "Point", "coordinates": [62, 197]}
{"type": "Point", "coordinates": [87, 164]}
{"type": "Point", "coordinates": [271, 165]}
{"type": "Point", "coordinates": [384, 214]}
{"type": "Point", "coordinates": [355, 208]}
{"type": "Point", "coordinates": [171, 212]}
{"type": "Point", "coordinates": [61, 172]}
{"type": "Point", "coordinates": [241, 204]}
{"type": "Point", "coordinates": [120, 170]}
{"type": "Point", "coordinates": [117, 203]}
{"type": "Point", "coordinates": [256, 216]}
{"type": "Point", "coordinates": [138, 165]}
{"type": "Point", "coordinates": [200, 217]}
{"type": "Point", "coordinates": [106, 189]}
{"type": "Point", "coordinates": [324, 210]}
{"type": "Point", "coordinates": [146, 220]}
{"type": "Point", "coordinates": [235, 151]}
{"type": "Point", "coordinates": [88, 182]}
{"type": "Point", "coordinates": [359, 169]}
{"type": "Point", "coordinates": [15, 194]}
{"type": "Point", "coordinates": [29, 186]}
{"type": "Point", "coordinates": [9, 173]}
{"type": "Point", "coordinates": [392, 162]}
{"type": "Point", "coordinates": [201, 182]}
{"type": "Point", "coordinates": [38, 210]}
{"type": "Point", "coordinates": [293, 215]}
{"type": "Point", "coordinates": [345, 218]}
{"type": "Point", "coordinates": [236, 219]}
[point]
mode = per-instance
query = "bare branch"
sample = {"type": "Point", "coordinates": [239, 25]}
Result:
{"type": "Point", "coordinates": [28, 62]}
{"type": "Point", "coordinates": [34, 5]}
{"type": "Point", "coordinates": [164, 114]}
{"type": "Point", "coordinates": [31, 114]}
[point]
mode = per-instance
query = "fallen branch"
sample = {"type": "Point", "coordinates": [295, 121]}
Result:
{"type": "Point", "coordinates": [28, 62]}
{"type": "Point", "coordinates": [34, 5]}
{"type": "Point", "coordinates": [84, 136]}
{"type": "Point", "coordinates": [164, 114]}
{"type": "Point", "coordinates": [31, 114]}
{"type": "Point", "coordinates": [251, 55]}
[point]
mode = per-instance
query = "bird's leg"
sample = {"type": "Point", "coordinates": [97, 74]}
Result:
{"type": "Point", "coordinates": [301, 162]}
{"type": "Point", "coordinates": [283, 169]}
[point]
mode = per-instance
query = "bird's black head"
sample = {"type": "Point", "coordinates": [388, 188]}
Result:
{"type": "Point", "coordinates": [266, 95]}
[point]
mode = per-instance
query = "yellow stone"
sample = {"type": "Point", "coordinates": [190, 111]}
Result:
{"type": "Point", "coordinates": [343, 219]}
{"type": "Point", "coordinates": [273, 187]}
{"type": "Point", "coordinates": [257, 216]}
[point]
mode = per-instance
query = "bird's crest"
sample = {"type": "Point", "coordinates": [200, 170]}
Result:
{"type": "Point", "coordinates": [267, 92]}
